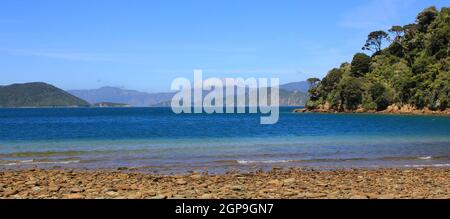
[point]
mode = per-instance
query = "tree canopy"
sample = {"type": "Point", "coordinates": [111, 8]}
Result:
{"type": "Point", "coordinates": [312, 82]}
{"type": "Point", "coordinates": [375, 41]}
{"type": "Point", "coordinates": [411, 68]}
{"type": "Point", "coordinates": [360, 64]}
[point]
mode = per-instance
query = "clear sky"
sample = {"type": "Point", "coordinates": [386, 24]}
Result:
{"type": "Point", "coordinates": [144, 45]}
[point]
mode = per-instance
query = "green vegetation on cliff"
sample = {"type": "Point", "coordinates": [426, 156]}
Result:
{"type": "Point", "coordinates": [409, 65]}
{"type": "Point", "coordinates": [37, 94]}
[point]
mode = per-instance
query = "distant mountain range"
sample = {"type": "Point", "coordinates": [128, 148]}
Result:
{"type": "Point", "coordinates": [291, 94]}
{"type": "Point", "coordinates": [286, 98]}
{"type": "Point", "coordinates": [301, 86]}
{"type": "Point", "coordinates": [37, 94]}
{"type": "Point", "coordinates": [118, 95]}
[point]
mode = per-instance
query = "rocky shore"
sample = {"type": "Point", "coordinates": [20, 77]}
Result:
{"type": "Point", "coordinates": [289, 184]}
{"type": "Point", "coordinates": [392, 109]}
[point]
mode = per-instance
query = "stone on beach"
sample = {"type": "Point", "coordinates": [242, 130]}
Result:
{"type": "Point", "coordinates": [293, 183]}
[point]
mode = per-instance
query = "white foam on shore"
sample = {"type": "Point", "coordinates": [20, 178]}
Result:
{"type": "Point", "coordinates": [429, 165]}
{"type": "Point", "coordinates": [31, 162]}
{"type": "Point", "coordinates": [262, 161]}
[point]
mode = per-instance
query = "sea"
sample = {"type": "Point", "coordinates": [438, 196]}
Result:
{"type": "Point", "coordinates": [159, 141]}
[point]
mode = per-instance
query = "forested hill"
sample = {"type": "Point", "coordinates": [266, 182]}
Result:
{"type": "Point", "coordinates": [37, 94]}
{"type": "Point", "coordinates": [407, 67]}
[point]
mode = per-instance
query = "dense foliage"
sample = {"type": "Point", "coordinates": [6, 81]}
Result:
{"type": "Point", "coordinates": [37, 95]}
{"type": "Point", "coordinates": [412, 68]}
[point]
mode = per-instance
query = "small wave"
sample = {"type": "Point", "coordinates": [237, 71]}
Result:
{"type": "Point", "coordinates": [226, 161]}
{"type": "Point", "coordinates": [36, 154]}
{"type": "Point", "coordinates": [429, 165]}
{"type": "Point", "coordinates": [42, 154]}
{"type": "Point", "coordinates": [262, 161]}
{"type": "Point", "coordinates": [425, 158]}
{"type": "Point", "coordinates": [32, 162]}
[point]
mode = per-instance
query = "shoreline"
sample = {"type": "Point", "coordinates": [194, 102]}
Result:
{"type": "Point", "coordinates": [294, 183]}
{"type": "Point", "coordinates": [384, 112]}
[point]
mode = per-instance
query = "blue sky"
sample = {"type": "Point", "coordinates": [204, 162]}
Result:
{"type": "Point", "coordinates": [144, 45]}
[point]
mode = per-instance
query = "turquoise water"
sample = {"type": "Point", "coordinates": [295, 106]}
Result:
{"type": "Point", "coordinates": [155, 139]}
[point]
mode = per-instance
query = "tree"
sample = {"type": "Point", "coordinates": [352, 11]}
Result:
{"type": "Point", "coordinates": [410, 64]}
{"type": "Point", "coordinates": [439, 43]}
{"type": "Point", "coordinates": [398, 31]}
{"type": "Point", "coordinates": [402, 81]}
{"type": "Point", "coordinates": [350, 93]}
{"type": "Point", "coordinates": [360, 65]}
{"type": "Point", "coordinates": [439, 35]}
{"type": "Point", "coordinates": [379, 96]}
{"type": "Point", "coordinates": [314, 95]}
{"type": "Point", "coordinates": [410, 31]}
{"type": "Point", "coordinates": [331, 80]}
{"type": "Point", "coordinates": [375, 41]}
{"type": "Point", "coordinates": [419, 98]}
{"type": "Point", "coordinates": [441, 91]}
{"type": "Point", "coordinates": [425, 18]}
{"type": "Point", "coordinates": [313, 82]}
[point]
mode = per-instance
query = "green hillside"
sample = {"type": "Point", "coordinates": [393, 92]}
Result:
{"type": "Point", "coordinates": [37, 94]}
{"type": "Point", "coordinates": [408, 67]}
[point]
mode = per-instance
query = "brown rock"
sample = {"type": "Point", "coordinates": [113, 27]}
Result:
{"type": "Point", "coordinates": [196, 176]}
{"type": "Point", "coordinates": [73, 196]}
{"type": "Point", "coordinates": [386, 196]}
{"type": "Point", "coordinates": [206, 196]}
{"type": "Point", "coordinates": [32, 182]}
{"type": "Point", "coordinates": [289, 181]}
{"type": "Point", "coordinates": [312, 195]}
{"type": "Point", "coordinates": [112, 193]}
{"type": "Point", "coordinates": [53, 188]}
{"type": "Point", "coordinates": [159, 197]}
{"type": "Point", "coordinates": [302, 110]}
{"type": "Point", "coordinates": [181, 182]}
{"type": "Point", "coordinates": [359, 197]}
{"type": "Point", "coordinates": [36, 189]}
{"type": "Point", "coordinates": [275, 182]}
{"type": "Point", "coordinates": [237, 188]}
{"type": "Point", "coordinates": [11, 192]}
{"type": "Point", "coordinates": [76, 190]}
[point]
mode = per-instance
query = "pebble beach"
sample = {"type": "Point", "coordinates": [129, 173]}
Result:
{"type": "Point", "coordinates": [390, 183]}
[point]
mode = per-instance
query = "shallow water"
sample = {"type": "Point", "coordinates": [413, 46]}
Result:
{"type": "Point", "coordinates": [156, 139]}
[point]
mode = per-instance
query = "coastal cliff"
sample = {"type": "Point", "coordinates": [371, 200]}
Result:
{"type": "Point", "coordinates": [392, 109]}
